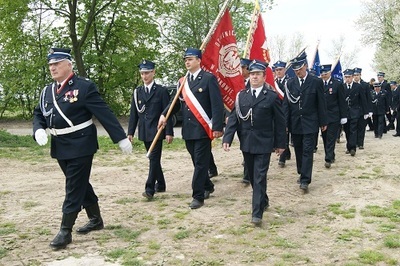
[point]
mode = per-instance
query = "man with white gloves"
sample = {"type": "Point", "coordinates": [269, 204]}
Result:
{"type": "Point", "coordinates": [66, 108]}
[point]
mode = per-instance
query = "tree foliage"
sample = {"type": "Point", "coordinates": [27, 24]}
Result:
{"type": "Point", "coordinates": [108, 38]}
{"type": "Point", "coordinates": [380, 21]}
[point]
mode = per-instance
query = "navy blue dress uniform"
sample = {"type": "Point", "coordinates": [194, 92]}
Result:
{"type": "Point", "coordinates": [362, 123]}
{"type": "Point", "coordinates": [66, 109]}
{"type": "Point", "coordinates": [380, 108]}
{"type": "Point", "coordinates": [336, 112]}
{"type": "Point", "coordinates": [205, 89]}
{"type": "Point", "coordinates": [356, 108]}
{"type": "Point", "coordinates": [396, 107]}
{"type": "Point", "coordinates": [281, 82]}
{"type": "Point", "coordinates": [245, 63]}
{"type": "Point", "coordinates": [148, 102]}
{"type": "Point", "coordinates": [262, 125]}
{"type": "Point", "coordinates": [386, 87]}
{"type": "Point", "coordinates": [305, 111]}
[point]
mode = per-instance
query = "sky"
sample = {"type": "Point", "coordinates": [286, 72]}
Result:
{"type": "Point", "coordinates": [323, 21]}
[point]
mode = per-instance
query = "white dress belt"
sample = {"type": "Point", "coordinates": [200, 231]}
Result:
{"type": "Point", "coordinates": [67, 130]}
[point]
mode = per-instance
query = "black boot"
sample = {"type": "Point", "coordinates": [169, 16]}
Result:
{"type": "Point", "coordinates": [95, 221]}
{"type": "Point", "coordinates": [64, 237]}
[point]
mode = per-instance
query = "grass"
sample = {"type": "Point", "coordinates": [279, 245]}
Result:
{"type": "Point", "coordinates": [373, 257]}
{"type": "Point", "coordinates": [392, 213]}
{"type": "Point", "coordinates": [392, 241]}
{"type": "Point", "coordinates": [337, 209]}
{"type": "Point", "coordinates": [7, 228]}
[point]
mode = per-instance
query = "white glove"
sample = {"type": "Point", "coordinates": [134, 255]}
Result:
{"type": "Point", "coordinates": [343, 121]}
{"type": "Point", "coordinates": [370, 114]}
{"type": "Point", "coordinates": [366, 116]}
{"type": "Point", "coordinates": [41, 136]}
{"type": "Point", "coordinates": [125, 145]}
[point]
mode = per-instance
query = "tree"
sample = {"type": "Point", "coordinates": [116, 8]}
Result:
{"type": "Point", "coordinates": [380, 20]}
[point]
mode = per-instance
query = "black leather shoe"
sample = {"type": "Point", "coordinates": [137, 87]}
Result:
{"type": "Point", "coordinates": [212, 173]}
{"type": "Point", "coordinates": [195, 204]}
{"type": "Point", "coordinates": [62, 239]}
{"type": "Point", "coordinates": [207, 193]}
{"type": "Point", "coordinates": [304, 186]}
{"type": "Point", "coordinates": [147, 195]}
{"type": "Point", "coordinates": [396, 135]}
{"type": "Point", "coordinates": [266, 206]}
{"type": "Point", "coordinates": [361, 147]}
{"type": "Point", "coordinates": [256, 221]}
{"type": "Point", "coordinates": [95, 220]}
{"type": "Point", "coordinates": [347, 152]}
{"type": "Point", "coordinates": [327, 165]}
{"type": "Point", "coordinates": [281, 164]}
{"type": "Point", "coordinates": [288, 157]}
{"type": "Point", "coordinates": [352, 152]}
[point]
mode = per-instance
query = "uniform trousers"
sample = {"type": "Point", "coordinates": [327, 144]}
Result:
{"type": "Point", "coordinates": [379, 124]}
{"type": "Point", "coordinates": [361, 126]}
{"type": "Point", "coordinates": [79, 192]}
{"type": "Point", "coordinates": [155, 169]}
{"type": "Point", "coordinates": [329, 137]}
{"type": "Point", "coordinates": [200, 152]}
{"type": "Point", "coordinates": [257, 167]}
{"type": "Point", "coordinates": [350, 128]}
{"type": "Point", "coordinates": [286, 154]}
{"type": "Point", "coordinates": [397, 116]}
{"type": "Point", "coordinates": [304, 145]}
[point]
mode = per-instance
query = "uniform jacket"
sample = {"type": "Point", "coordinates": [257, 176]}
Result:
{"type": "Point", "coordinates": [88, 103]}
{"type": "Point", "coordinates": [380, 103]}
{"type": "Point", "coordinates": [309, 113]}
{"type": "Point", "coordinates": [152, 104]}
{"type": "Point", "coordinates": [356, 101]}
{"type": "Point", "coordinates": [396, 99]}
{"type": "Point", "coordinates": [367, 92]}
{"type": "Point", "coordinates": [262, 132]}
{"type": "Point", "coordinates": [205, 88]}
{"type": "Point", "coordinates": [335, 101]}
{"type": "Point", "coordinates": [385, 87]}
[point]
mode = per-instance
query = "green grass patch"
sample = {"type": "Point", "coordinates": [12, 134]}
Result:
{"type": "Point", "coordinates": [7, 228]}
{"type": "Point", "coordinates": [30, 204]}
{"type": "Point", "coordinates": [126, 234]}
{"type": "Point", "coordinates": [392, 213]}
{"type": "Point", "coordinates": [373, 257]}
{"type": "Point", "coordinates": [182, 234]}
{"type": "Point", "coordinates": [283, 243]}
{"type": "Point", "coordinates": [3, 252]}
{"type": "Point", "coordinates": [392, 241]}
{"type": "Point", "coordinates": [181, 214]}
{"type": "Point", "coordinates": [349, 234]}
{"type": "Point", "coordinates": [154, 245]}
{"type": "Point", "coordinates": [337, 209]}
{"type": "Point", "coordinates": [125, 201]}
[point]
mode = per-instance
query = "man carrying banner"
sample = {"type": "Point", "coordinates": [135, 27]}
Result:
{"type": "Point", "coordinates": [258, 115]}
{"type": "Point", "coordinates": [202, 111]}
{"type": "Point", "coordinates": [305, 111]}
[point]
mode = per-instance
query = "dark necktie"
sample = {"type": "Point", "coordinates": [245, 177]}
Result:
{"type": "Point", "coordinates": [58, 88]}
{"type": "Point", "coordinates": [279, 81]}
{"type": "Point", "coordinates": [254, 95]}
{"type": "Point", "coordinates": [191, 77]}
{"type": "Point", "coordinates": [348, 86]}
{"type": "Point", "coordinates": [326, 83]}
{"type": "Point", "coordinates": [301, 82]}
{"type": "Point", "coordinates": [147, 90]}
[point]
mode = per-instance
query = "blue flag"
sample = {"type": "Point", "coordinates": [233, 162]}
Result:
{"type": "Point", "coordinates": [317, 64]}
{"type": "Point", "coordinates": [337, 71]}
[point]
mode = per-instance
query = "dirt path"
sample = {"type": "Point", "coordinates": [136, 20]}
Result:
{"type": "Point", "coordinates": [298, 228]}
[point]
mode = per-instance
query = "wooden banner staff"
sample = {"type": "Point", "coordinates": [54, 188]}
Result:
{"type": "Point", "coordinates": [337, 60]}
{"type": "Point", "coordinates": [252, 28]}
{"type": "Point", "coordinates": [206, 40]}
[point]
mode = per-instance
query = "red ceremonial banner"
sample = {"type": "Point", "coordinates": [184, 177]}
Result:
{"type": "Point", "coordinates": [221, 58]}
{"type": "Point", "coordinates": [258, 48]}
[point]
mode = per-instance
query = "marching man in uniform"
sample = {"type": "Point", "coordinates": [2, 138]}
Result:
{"type": "Point", "coordinates": [148, 102]}
{"type": "Point", "coordinates": [258, 115]}
{"type": "Point", "coordinates": [66, 108]}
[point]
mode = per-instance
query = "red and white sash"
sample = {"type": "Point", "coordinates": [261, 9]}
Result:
{"type": "Point", "coordinates": [196, 108]}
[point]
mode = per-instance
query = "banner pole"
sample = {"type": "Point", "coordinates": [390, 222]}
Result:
{"type": "Point", "coordinates": [179, 91]}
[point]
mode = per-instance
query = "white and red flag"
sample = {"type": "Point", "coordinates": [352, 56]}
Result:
{"type": "Point", "coordinates": [257, 47]}
{"type": "Point", "coordinates": [221, 57]}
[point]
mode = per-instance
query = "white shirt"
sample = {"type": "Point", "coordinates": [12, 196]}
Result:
{"type": "Point", "coordinates": [258, 90]}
